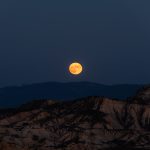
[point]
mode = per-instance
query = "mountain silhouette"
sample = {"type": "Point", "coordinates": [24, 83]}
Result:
{"type": "Point", "coordinates": [17, 95]}
{"type": "Point", "coordinates": [91, 123]}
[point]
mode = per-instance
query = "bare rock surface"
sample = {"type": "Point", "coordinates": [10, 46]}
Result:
{"type": "Point", "coordinates": [92, 123]}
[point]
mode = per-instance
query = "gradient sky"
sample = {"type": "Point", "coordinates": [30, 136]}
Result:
{"type": "Point", "coordinates": [39, 39]}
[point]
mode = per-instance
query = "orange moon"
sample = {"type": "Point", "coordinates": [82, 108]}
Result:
{"type": "Point", "coordinates": [75, 68]}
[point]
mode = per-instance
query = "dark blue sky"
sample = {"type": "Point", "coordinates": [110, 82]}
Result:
{"type": "Point", "coordinates": [38, 40]}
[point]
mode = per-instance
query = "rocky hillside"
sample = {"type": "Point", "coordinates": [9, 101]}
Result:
{"type": "Point", "coordinates": [92, 123]}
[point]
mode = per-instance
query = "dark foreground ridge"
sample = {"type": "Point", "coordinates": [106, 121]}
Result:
{"type": "Point", "coordinates": [92, 123]}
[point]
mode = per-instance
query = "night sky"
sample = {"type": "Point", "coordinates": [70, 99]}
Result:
{"type": "Point", "coordinates": [40, 38]}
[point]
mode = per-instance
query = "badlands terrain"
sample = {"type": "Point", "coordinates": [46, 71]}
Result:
{"type": "Point", "coordinates": [91, 123]}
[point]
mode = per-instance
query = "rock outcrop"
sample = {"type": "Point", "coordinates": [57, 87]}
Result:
{"type": "Point", "coordinates": [143, 96]}
{"type": "Point", "coordinates": [92, 123]}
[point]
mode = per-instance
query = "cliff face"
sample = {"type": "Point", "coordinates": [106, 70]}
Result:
{"type": "Point", "coordinates": [143, 96]}
{"type": "Point", "coordinates": [89, 123]}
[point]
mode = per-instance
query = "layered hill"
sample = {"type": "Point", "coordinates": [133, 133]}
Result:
{"type": "Point", "coordinates": [15, 96]}
{"type": "Point", "coordinates": [91, 123]}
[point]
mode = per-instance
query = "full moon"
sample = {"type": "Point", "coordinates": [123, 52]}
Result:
{"type": "Point", "coordinates": [75, 68]}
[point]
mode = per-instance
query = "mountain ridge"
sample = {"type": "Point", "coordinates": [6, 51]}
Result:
{"type": "Point", "coordinates": [17, 95]}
